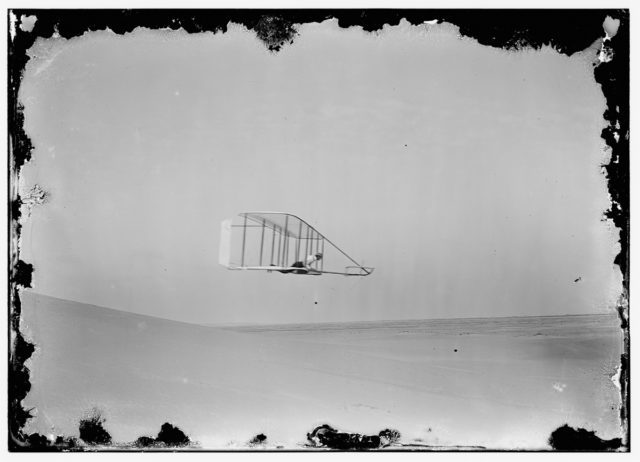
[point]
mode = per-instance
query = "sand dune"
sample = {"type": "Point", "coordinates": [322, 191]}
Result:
{"type": "Point", "coordinates": [501, 383]}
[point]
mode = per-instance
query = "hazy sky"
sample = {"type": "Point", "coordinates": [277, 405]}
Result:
{"type": "Point", "coordinates": [468, 176]}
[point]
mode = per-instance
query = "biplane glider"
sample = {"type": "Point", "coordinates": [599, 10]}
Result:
{"type": "Point", "coordinates": [283, 243]}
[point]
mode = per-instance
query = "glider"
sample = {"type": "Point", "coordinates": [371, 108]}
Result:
{"type": "Point", "coordinates": [283, 243]}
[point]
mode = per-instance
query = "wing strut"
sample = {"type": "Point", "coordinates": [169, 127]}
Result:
{"type": "Point", "coordinates": [244, 237]}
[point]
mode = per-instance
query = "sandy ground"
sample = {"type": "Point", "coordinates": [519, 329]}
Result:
{"type": "Point", "coordinates": [499, 383]}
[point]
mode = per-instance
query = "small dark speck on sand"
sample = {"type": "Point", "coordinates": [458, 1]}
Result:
{"type": "Point", "coordinates": [455, 349]}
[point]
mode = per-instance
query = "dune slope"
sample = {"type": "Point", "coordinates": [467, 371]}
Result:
{"type": "Point", "coordinates": [499, 384]}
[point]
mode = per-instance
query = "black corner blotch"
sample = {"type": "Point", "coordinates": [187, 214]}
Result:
{"type": "Point", "coordinates": [275, 32]}
{"type": "Point", "coordinates": [92, 429]}
{"type": "Point", "coordinates": [172, 436]}
{"type": "Point", "coordinates": [39, 443]}
{"type": "Point", "coordinates": [567, 438]}
{"type": "Point", "coordinates": [22, 274]}
{"type": "Point", "coordinates": [328, 437]}
{"type": "Point", "coordinates": [36, 442]}
{"type": "Point", "coordinates": [389, 436]}
{"type": "Point", "coordinates": [145, 442]}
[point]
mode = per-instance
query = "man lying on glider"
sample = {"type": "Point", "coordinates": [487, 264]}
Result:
{"type": "Point", "coordinates": [304, 267]}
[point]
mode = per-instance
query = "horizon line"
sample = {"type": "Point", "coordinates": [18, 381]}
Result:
{"type": "Point", "coordinates": [250, 324]}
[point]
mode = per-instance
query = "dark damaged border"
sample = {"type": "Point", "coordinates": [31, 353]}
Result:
{"type": "Point", "coordinates": [568, 31]}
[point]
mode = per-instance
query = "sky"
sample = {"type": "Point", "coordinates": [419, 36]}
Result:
{"type": "Point", "coordinates": [469, 177]}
